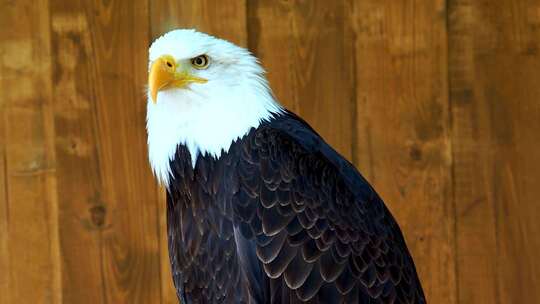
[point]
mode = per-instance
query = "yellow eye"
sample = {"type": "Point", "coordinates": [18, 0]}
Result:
{"type": "Point", "coordinates": [200, 62]}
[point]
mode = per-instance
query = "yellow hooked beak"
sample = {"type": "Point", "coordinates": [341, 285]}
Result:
{"type": "Point", "coordinates": [165, 73]}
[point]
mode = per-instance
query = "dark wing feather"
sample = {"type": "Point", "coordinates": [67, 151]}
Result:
{"type": "Point", "coordinates": [319, 230]}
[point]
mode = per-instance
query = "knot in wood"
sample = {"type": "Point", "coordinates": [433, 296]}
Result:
{"type": "Point", "coordinates": [97, 215]}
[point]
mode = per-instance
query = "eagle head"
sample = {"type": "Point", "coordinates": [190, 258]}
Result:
{"type": "Point", "coordinates": [204, 93]}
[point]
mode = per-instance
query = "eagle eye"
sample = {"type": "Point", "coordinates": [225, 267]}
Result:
{"type": "Point", "coordinates": [200, 62]}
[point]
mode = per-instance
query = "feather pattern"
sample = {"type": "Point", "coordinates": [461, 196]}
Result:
{"type": "Point", "coordinates": [282, 218]}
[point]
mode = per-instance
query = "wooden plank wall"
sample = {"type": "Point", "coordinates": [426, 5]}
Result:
{"type": "Point", "coordinates": [437, 102]}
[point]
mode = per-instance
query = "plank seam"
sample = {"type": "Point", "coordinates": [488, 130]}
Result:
{"type": "Point", "coordinates": [354, 96]}
{"type": "Point", "coordinates": [452, 156]}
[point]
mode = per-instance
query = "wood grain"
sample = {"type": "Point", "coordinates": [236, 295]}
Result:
{"type": "Point", "coordinates": [307, 48]}
{"type": "Point", "coordinates": [494, 76]}
{"type": "Point", "coordinates": [5, 294]}
{"type": "Point", "coordinates": [403, 139]}
{"type": "Point", "coordinates": [108, 202]}
{"type": "Point", "coordinates": [30, 255]}
{"type": "Point", "coordinates": [78, 172]}
{"type": "Point", "coordinates": [225, 19]}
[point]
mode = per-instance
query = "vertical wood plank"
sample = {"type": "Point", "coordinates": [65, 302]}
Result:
{"type": "Point", "coordinates": [475, 227]}
{"type": "Point", "coordinates": [223, 19]}
{"type": "Point", "coordinates": [107, 201]}
{"type": "Point", "coordinates": [75, 144]}
{"type": "Point", "coordinates": [29, 260]}
{"type": "Point", "coordinates": [306, 47]}
{"type": "Point", "coordinates": [494, 76]}
{"type": "Point", "coordinates": [131, 245]}
{"type": "Point", "coordinates": [403, 134]}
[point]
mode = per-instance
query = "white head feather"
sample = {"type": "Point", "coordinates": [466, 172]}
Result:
{"type": "Point", "coordinates": [206, 117]}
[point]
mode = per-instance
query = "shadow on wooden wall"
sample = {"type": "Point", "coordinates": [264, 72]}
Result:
{"type": "Point", "coordinates": [437, 103]}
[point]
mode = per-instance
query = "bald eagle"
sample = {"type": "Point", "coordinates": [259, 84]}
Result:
{"type": "Point", "coordinates": [260, 209]}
